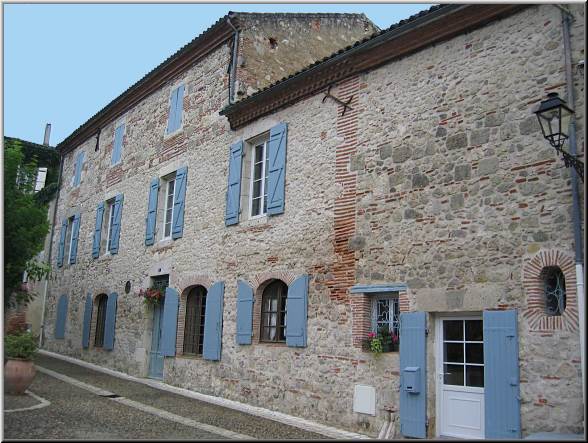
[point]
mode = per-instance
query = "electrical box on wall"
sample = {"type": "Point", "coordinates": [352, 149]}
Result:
{"type": "Point", "coordinates": [411, 379]}
{"type": "Point", "coordinates": [364, 399]}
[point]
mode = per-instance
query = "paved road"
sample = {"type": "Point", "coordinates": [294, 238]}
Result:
{"type": "Point", "coordinates": [78, 409]}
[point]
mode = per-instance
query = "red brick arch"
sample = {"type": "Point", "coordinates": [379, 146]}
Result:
{"type": "Point", "coordinates": [535, 314]}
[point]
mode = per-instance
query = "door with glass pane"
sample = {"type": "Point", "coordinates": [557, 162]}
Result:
{"type": "Point", "coordinates": [460, 377]}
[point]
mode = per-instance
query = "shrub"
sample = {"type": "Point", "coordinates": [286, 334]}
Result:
{"type": "Point", "coordinates": [20, 346]}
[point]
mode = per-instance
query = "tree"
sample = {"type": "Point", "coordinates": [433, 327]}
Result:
{"type": "Point", "coordinates": [25, 224]}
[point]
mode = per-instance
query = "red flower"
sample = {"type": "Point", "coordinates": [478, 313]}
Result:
{"type": "Point", "coordinates": [372, 335]}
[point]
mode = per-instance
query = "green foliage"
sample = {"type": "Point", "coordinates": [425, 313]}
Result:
{"type": "Point", "coordinates": [20, 345]}
{"type": "Point", "coordinates": [25, 221]}
{"type": "Point", "coordinates": [376, 346]}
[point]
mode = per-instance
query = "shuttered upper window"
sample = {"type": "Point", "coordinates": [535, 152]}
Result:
{"type": "Point", "coordinates": [69, 238]}
{"type": "Point", "coordinates": [118, 144]}
{"type": "Point", "coordinates": [258, 182]}
{"type": "Point", "coordinates": [174, 121]}
{"type": "Point", "coordinates": [78, 165]}
{"type": "Point", "coordinates": [168, 208]}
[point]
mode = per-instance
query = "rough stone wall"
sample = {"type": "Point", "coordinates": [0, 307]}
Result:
{"type": "Point", "coordinates": [458, 190]}
{"type": "Point", "coordinates": [455, 190]}
{"type": "Point", "coordinates": [273, 46]}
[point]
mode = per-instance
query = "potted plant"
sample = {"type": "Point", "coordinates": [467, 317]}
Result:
{"type": "Point", "coordinates": [151, 296]}
{"type": "Point", "coordinates": [389, 339]}
{"type": "Point", "coordinates": [19, 370]}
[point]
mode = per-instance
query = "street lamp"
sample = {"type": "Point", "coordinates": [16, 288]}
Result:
{"type": "Point", "coordinates": [554, 118]}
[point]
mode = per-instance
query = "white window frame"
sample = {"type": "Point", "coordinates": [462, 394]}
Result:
{"type": "Point", "coordinates": [69, 228]}
{"type": "Point", "coordinates": [395, 299]}
{"type": "Point", "coordinates": [110, 204]}
{"type": "Point", "coordinates": [252, 148]}
{"type": "Point", "coordinates": [40, 178]}
{"type": "Point", "coordinates": [168, 182]}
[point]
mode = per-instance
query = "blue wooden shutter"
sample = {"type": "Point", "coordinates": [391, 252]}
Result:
{"type": "Point", "coordinates": [110, 323]}
{"type": "Point", "coordinates": [87, 320]}
{"type": "Point", "coordinates": [276, 180]}
{"type": "Point", "coordinates": [213, 322]}
{"type": "Point", "coordinates": [151, 212]}
{"type": "Point", "coordinates": [172, 111]}
{"type": "Point", "coordinates": [78, 168]}
{"type": "Point", "coordinates": [75, 234]}
{"type": "Point", "coordinates": [98, 230]}
{"type": "Point", "coordinates": [118, 205]}
{"type": "Point", "coordinates": [244, 313]}
{"type": "Point", "coordinates": [179, 107]}
{"type": "Point", "coordinates": [234, 186]}
{"type": "Point", "coordinates": [179, 197]}
{"type": "Point", "coordinates": [296, 312]}
{"type": "Point", "coordinates": [118, 141]}
{"type": "Point", "coordinates": [413, 353]}
{"type": "Point", "coordinates": [61, 317]}
{"type": "Point", "coordinates": [501, 375]}
{"type": "Point", "coordinates": [61, 249]}
{"type": "Point", "coordinates": [170, 323]}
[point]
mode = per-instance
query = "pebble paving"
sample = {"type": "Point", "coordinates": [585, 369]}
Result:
{"type": "Point", "coordinates": [202, 412]}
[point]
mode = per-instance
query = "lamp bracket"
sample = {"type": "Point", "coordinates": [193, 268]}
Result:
{"type": "Point", "coordinates": [572, 160]}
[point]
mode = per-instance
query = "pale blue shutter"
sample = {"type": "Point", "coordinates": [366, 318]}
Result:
{"type": "Point", "coordinates": [87, 319]}
{"type": "Point", "coordinates": [234, 186]}
{"type": "Point", "coordinates": [78, 168]}
{"type": "Point", "coordinates": [151, 212]}
{"type": "Point", "coordinates": [118, 205]}
{"type": "Point", "coordinates": [61, 249]}
{"type": "Point", "coordinates": [179, 107]}
{"type": "Point", "coordinates": [179, 197]}
{"type": "Point", "coordinates": [276, 180]}
{"type": "Point", "coordinates": [98, 230]}
{"type": "Point", "coordinates": [170, 322]}
{"type": "Point", "coordinates": [213, 322]}
{"type": "Point", "coordinates": [61, 317]}
{"type": "Point", "coordinates": [118, 141]}
{"type": "Point", "coordinates": [296, 312]}
{"type": "Point", "coordinates": [501, 375]}
{"type": "Point", "coordinates": [172, 111]}
{"type": "Point", "coordinates": [75, 234]}
{"type": "Point", "coordinates": [413, 353]}
{"type": "Point", "coordinates": [110, 321]}
{"type": "Point", "coordinates": [244, 313]}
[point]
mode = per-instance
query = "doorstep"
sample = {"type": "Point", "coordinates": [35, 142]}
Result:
{"type": "Point", "coordinates": [280, 417]}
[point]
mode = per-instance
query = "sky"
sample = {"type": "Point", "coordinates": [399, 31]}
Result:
{"type": "Point", "coordinates": [62, 63]}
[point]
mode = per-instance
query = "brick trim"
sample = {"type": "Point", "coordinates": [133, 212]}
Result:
{"type": "Point", "coordinates": [533, 286]}
{"type": "Point", "coordinates": [260, 283]}
{"type": "Point", "coordinates": [203, 281]}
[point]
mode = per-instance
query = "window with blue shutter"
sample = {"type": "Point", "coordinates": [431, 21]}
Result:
{"type": "Point", "coordinates": [170, 322]}
{"type": "Point", "coordinates": [61, 248]}
{"type": "Point", "coordinates": [233, 195]}
{"type": "Point", "coordinates": [78, 168]}
{"type": "Point", "coordinates": [174, 121]}
{"type": "Point", "coordinates": [413, 354]}
{"type": "Point", "coordinates": [151, 212]}
{"type": "Point", "coordinates": [213, 322]}
{"type": "Point", "coordinates": [501, 375]}
{"type": "Point", "coordinates": [276, 181]}
{"type": "Point", "coordinates": [98, 230]}
{"type": "Point", "coordinates": [110, 322]}
{"type": "Point", "coordinates": [179, 197]}
{"type": "Point", "coordinates": [118, 142]}
{"type": "Point", "coordinates": [75, 233]}
{"type": "Point", "coordinates": [117, 215]}
{"type": "Point", "coordinates": [244, 313]}
{"type": "Point", "coordinates": [87, 321]}
{"type": "Point", "coordinates": [296, 311]}
{"type": "Point", "coordinates": [61, 317]}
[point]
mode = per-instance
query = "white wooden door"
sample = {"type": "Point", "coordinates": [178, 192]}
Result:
{"type": "Point", "coordinates": [460, 377]}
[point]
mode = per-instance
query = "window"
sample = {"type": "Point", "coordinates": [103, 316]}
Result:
{"type": "Point", "coordinates": [40, 180]}
{"type": "Point", "coordinates": [386, 318]}
{"type": "Point", "coordinates": [194, 323]}
{"type": "Point", "coordinates": [168, 207]}
{"type": "Point", "coordinates": [79, 162]}
{"type": "Point", "coordinates": [258, 182]}
{"type": "Point", "coordinates": [554, 285]}
{"type": "Point", "coordinates": [174, 121]}
{"type": "Point", "coordinates": [160, 282]}
{"type": "Point", "coordinates": [117, 146]}
{"type": "Point", "coordinates": [109, 213]}
{"type": "Point", "coordinates": [273, 312]}
{"type": "Point", "coordinates": [101, 301]}
{"type": "Point", "coordinates": [69, 238]}
{"type": "Point", "coordinates": [463, 353]}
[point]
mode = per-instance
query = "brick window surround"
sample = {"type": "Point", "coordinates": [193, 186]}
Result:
{"type": "Point", "coordinates": [535, 314]}
{"type": "Point", "coordinates": [361, 307]}
{"type": "Point", "coordinates": [188, 283]}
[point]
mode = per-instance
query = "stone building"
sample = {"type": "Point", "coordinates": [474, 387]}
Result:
{"type": "Point", "coordinates": [403, 177]}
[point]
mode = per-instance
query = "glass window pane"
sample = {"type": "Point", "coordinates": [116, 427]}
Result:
{"type": "Point", "coordinates": [453, 352]}
{"type": "Point", "coordinates": [258, 153]}
{"type": "Point", "coordinates": [474, 353]}
{"type": "Point", "coordinates": [453, 330]}
{"type": "Point", "coordinates": [453, 375]}
{"type": "Point", "coordinates": [474, 330]}
{"type": "Point", "coordinates": [475, 376]}
{"type": "Point", "coordinates": [257, 189]}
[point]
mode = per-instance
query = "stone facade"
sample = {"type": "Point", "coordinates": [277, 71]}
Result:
{"type": "Point", "coordinates": [438, 177]}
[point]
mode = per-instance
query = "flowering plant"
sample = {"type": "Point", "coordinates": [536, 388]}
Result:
{"type": "Point", "coordinates": [383, 341]}
{"type": "Point", "coordinates": [151, 296]}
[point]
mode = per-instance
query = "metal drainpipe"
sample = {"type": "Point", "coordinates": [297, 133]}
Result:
{"type": "Point", "coordinates": [566, 18]}
{"type": "Point", "coordinates": [233, 66]}
{"type": "Point", "coordinates": [42, 332]}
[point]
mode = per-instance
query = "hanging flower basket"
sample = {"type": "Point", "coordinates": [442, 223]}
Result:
{"type": "Point", "coordinates": [151, 296]}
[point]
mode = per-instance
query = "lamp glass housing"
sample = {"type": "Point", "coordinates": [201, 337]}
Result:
{"type": "Point", "coordinates": [554, 118]}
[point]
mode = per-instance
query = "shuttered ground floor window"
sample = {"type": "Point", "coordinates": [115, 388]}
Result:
{"type": "Point", "coordinates": [194, 323]}
{"type": "Point", "coordinates": [273, 312]}
{"type": "Point", "coordinates": [100, 320]}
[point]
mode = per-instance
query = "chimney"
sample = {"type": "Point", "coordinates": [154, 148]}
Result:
{"type": "Point", "coordinates": [47, 134]}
